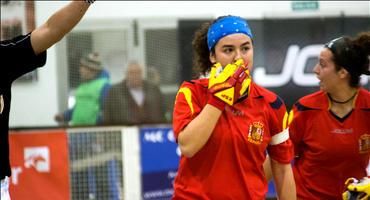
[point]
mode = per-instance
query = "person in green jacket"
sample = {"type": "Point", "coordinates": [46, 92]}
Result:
{"type": "Point", "coordinates": [90, 94]}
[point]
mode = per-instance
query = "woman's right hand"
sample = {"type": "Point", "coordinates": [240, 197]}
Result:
{"type": "Point", "coordinates": [229, 85]}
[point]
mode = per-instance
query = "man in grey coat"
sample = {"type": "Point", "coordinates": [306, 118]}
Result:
{"type": "Point", "coordinates": [134, 100]}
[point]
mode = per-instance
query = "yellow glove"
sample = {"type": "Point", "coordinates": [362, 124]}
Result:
{"type": "Point", "coordinates": [229, 85]}
{"type": "Point", "coordinates": [357, 189]}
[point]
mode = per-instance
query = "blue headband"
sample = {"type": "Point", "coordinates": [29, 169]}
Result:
{"type": "Point", "coordinates": [227, 26]}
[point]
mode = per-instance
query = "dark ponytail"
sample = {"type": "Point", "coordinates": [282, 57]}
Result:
{"type": "Point", "coordinates": [352, 54]}
{"type": "Point", "coordinates": [361, 46]}
{"type": "Point", "coordinates": [362, 43]}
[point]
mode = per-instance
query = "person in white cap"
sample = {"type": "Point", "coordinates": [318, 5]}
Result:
{"type": "Point", "coordinates": [90, 94]}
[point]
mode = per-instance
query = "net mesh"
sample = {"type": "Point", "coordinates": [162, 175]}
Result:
{"type": "Point", "coordinates": [95, 164]}
{"type": "Point", "coordinates": [138, 87]}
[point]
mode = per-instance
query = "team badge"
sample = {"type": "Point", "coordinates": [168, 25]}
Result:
{"type": "Point", "coordinates": [364, 143]}
{"type": "Point", "coordinates": [1, 104]}
{"type": "Point", "coordinates": [255, 134]}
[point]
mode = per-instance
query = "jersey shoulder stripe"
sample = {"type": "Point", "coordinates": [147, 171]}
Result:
{"type": "Point", "coordinates": [270, 97]}
{"type": "Point", "coordinates": [277, 103]}
{"type": "Point", "coordinates": [317, 100]}
{"type": "Point", "coordinates": [301, 107]}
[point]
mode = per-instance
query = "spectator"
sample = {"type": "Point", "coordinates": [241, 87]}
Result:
{"type": "Point", "coordinates": [23, 54]}
{"type": "Point", "coordinates": [223, 130]}
{"type": "Point", "coordinates": [90, 94]}
{"type": "Point", "coordinates": [134, 100]}
{"type": "Point", "coordinates": [330, 128]}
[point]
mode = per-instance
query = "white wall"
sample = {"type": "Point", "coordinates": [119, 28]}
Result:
{"type": "Point", "coordinates": [191, 9]}
{"type": "Point", "coordinates": [34, 104]}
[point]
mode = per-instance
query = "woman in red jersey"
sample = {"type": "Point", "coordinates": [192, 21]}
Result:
{"type": "Point", "coordinates": [224, 135]}
{"type": "Point", "coordinates": [330, 128]}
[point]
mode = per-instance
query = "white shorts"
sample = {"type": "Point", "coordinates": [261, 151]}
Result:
{"type": "Point", "coordinates": [5, 189]}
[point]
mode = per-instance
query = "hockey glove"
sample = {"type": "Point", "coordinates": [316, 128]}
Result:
{"type": "Point", "coordinates": [229, 85]}
{"type": "Point", "coordinates": [357, 189]}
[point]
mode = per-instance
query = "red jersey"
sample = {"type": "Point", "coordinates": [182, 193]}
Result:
{"type": "Point", "coordinates": [329, 149]}
{"type": "Point", "coordinates": [229, 165]}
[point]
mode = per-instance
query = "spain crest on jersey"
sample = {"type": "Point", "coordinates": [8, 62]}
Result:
{"type": "Point", "coordinates": [364, 143]}
{"type": "Point", "coordinates": [255, 134]}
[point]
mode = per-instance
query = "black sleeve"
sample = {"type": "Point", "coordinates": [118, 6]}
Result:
{"type": "Point", "coordinates": [19, 58]}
